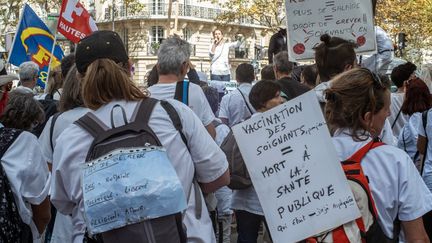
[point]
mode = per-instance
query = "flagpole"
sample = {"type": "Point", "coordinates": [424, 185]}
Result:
{"type": "Point", "coordinates": [51, 57]}
{"type": "Point", "coordinates": [16, 32]}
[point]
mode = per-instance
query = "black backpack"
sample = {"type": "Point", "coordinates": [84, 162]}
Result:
{"type": "Point", "coordinates": [50, 107]}
{"type": "Point", "coordinates": [133, 134]}
{"type": "Point", "coordinates": [12, 228]}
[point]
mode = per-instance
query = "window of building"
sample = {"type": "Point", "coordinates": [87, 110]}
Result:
{"type": "Point", "coordinates": [157, 34]}
{"type": "Point", "coordinates": [157, 7]}
{"type": "Point", "coordinates": [187, 34]}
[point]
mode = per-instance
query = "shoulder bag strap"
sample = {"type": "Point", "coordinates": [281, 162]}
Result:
{"type": "Point", "coordinates": [244, 99]}
{"type": "Point", "coordinates": [397, 116]}
{"type": "Point", "coordinates": [182, 92]}
{"type": "Point", "coordinates": [53, 121]}
{"type": "Point", "coordinates": [424, 121]}
{"type": "Point", "coordinates": [175, 119]}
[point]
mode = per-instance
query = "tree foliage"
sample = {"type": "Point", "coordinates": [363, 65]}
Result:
{"type": "Point", "coordinates": [412, 17]}
{"type": "Point", "coordinates": [263, 12]}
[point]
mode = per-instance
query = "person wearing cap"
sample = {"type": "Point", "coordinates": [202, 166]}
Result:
{"type": "Point", "coordinates": [399, 76]}
{"type": "Point", "coordinates": [102, 63]}
{"type": "Point", "coordinates": [28, 73]}
{"type": "Point", "coordinates": [173, 56]}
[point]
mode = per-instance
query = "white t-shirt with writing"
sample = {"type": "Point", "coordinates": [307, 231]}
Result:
{"type": "Point", "coordinates": [394, 181]}
{"type": "Point", "coordinates": [197, 100]}
{"type": "Point", "coordinates": [205, 160]}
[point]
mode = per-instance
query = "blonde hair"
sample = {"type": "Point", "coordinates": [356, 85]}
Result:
{"type": "Point", "coordinates": [105, 81]}
{"type": "Point", "coordinates": [351, 95]}
{"type": "Point", "coordinates": [55, 81]}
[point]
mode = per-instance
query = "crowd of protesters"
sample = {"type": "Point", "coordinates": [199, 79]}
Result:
{"type": "Point", "coordinates": [41, 187]}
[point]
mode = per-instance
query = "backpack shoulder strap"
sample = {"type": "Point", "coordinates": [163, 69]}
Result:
{"type": "Point", "coordinates": [182, 92]}
{"type": "Point", "coordinates": [53, 121]}
{"type": "Point", "coordinates": [91, 124]}
{"type": "Point", "coordinates": [358, 156]}
{"type": "Point", "coordinates": [175, 119]}
{"type": "Point", "coordinates": [424, 121]}
{"type": "Point", "coordinates": [244, 99]}
{"type": "Point", "coordinates": [7, 138]}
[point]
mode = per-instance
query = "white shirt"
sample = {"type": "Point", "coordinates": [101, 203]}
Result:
{"type": "Point", "coordinates": [197, 100]}
{"type": "Point", "coordinates": [396, 104]}
{"type": "Point", "coordinates": [219, 59]}
{"type": "Point", "coordinates": [396, 186]}
{"type": "Point", "coordinates": [25, 90]}
{"type": "Point", "coordinates": [56, 95]}
{"type": "Point", "coordinates": [427, 169]}
{"type": "Point", "coordinates": [205, 160]}
{"type": "Point", "coordinates": [28, 176]}
{"type": "Point", "coordinates": [233, 106]}
{"type": "Point", "coordinates": [407, 139]}
{"type": "Point", "coordinates": [62, 122]}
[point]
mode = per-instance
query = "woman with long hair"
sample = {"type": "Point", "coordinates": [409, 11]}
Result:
{"type": "Point", "coordinates": [358, 103]}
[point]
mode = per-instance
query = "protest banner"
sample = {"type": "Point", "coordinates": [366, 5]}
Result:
{"type": "Point", "coordinates": [307, 20]}
{"type": "Point", "coordinates": [295, 170]}
{"type": "Point", "coordinates": [75, 22]}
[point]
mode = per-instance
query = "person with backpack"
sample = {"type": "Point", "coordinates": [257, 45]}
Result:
{"type": "Point", "coordinates": [171, 60]}
{"type": "Point", "coordinates": [125, 117]}
{"type": "Point", "coordinates": [263, 96]}
{"type": "Point", "coordinates": [358, 103]}
{"type": "Point", "coordinates": [417, 100]}
{"type": "Point", "coordinates": [24, 175]}
{"type": "Point", "coordinates": [235, 106]}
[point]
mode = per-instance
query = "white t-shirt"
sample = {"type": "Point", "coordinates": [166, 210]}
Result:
{"type": "Point", "coordinates": [56, 95]}
{"type": "Point", "coordinates": [427, 169]}
{"type": "Point", "coordinates": [396, 104]}
{"type": "Point", "coordinates": [396, 186]}
{"type": "Point", "coordinates": [205, 160]}
{"type": "Point", "coordinates": [219, 59]}
{"type": "Point", "coordinates": [28, 176]}
{"type": "Point", "coordinates": [62, 122]}
{"type": "Point", "coordinates": [197, 100]}
{"type": "Point", "coordinates": [233, 106]}
{"type": "Point", "coordinates": [407, 139]}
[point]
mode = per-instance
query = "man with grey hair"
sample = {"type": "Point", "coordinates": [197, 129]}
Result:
{"type": "Point", "coordinates": [28, 74]}
{"type": "Point", "coordinates": [173, 65]}
{"type": "Point", "coordinates": [282, 68]}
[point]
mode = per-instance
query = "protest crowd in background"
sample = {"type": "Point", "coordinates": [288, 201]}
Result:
{"type": "Point", "coordinates": [95, 158]}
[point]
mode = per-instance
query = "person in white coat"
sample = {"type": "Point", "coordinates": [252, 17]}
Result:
{"type": "Point", "coordinates": [358, 103]}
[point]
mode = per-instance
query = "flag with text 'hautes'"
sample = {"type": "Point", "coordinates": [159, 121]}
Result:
{"type": "Point", "coordinates": [75, 22]}
{"type": "Point", "coordinates": [34, 42]}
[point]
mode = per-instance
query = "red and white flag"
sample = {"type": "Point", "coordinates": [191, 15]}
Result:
{"type": "Point", "coordinates": [75, 22]}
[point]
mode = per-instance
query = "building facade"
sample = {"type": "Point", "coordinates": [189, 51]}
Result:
{"type": "Point", "coordinates": [143, 25]}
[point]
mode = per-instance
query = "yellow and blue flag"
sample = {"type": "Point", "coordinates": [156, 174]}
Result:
{"type": "Point", "coordinates": [33, 42]}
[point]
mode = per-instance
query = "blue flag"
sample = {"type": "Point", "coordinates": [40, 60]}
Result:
{"type": "Point", "coordinates": [33, 42]}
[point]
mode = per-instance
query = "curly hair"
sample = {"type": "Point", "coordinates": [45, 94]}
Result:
{"type": "Point", "coordinates": [22, 112]}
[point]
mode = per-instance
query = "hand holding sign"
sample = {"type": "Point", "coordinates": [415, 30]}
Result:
{"type": "Point", "coordinates": [294, 169]}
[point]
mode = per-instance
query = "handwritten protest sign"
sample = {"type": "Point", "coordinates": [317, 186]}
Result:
{"type": "Point", "coordinates": [295, 170]}
{"type": "Point", "coordinates": [307, 20]}
{"type": "Point", "coordinates": [129, 186]}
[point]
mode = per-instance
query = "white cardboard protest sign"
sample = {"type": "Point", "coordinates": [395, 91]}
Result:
{"type": "Point", "coordinates": [295, 170]}
{"type": "Point", "coordinates": [307, 20]}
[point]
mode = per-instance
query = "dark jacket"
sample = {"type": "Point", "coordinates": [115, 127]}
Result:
{"type": "Point", "coordinates": [278, 43]}
{"type": "Point", "coordinates": [291, 88]}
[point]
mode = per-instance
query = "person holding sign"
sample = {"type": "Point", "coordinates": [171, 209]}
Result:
{"type": "Point", "coordinates": [263, 96]}
{"type": "Point", "coordinates": [358, 103]}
